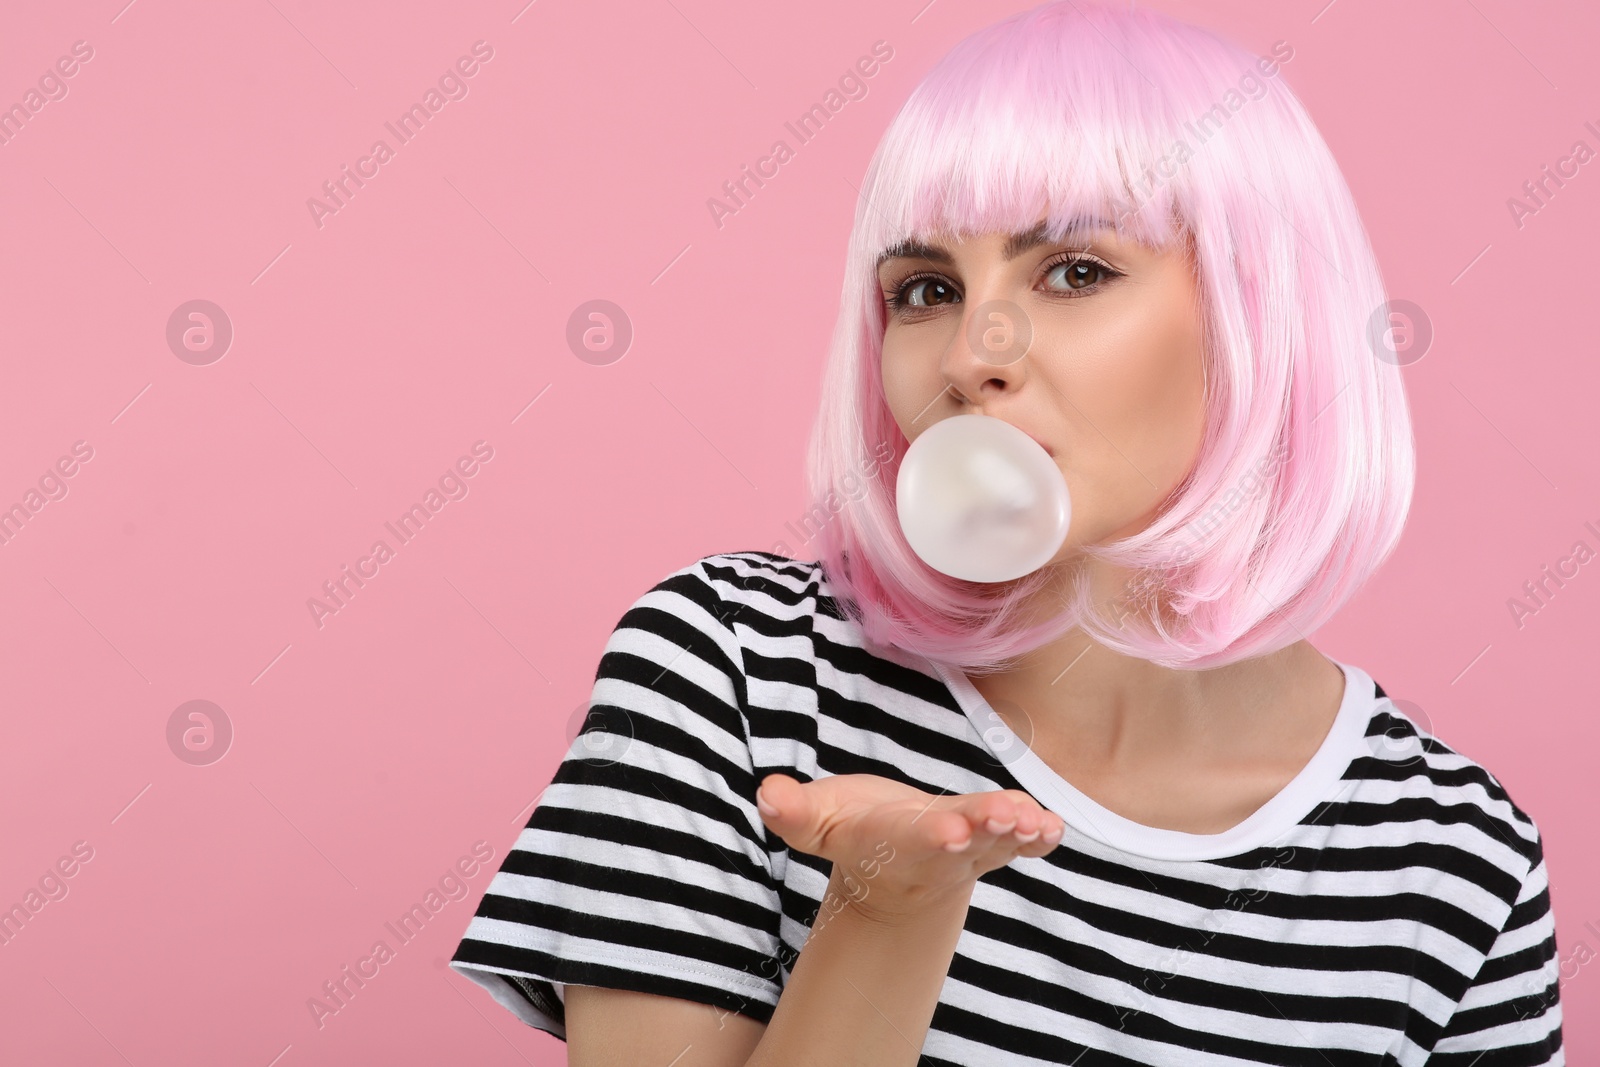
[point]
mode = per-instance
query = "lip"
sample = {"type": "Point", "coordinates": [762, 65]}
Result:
{"type": "Point", "coordinates": [1050, 451]}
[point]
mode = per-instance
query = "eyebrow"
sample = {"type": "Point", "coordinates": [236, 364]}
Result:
{"type": "Point", "coordinates": [1016, 243]}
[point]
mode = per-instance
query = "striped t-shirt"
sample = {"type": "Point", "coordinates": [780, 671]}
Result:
{"type": "Point", "coordinates": [1388, 906]}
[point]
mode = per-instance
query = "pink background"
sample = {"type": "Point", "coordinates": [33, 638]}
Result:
{"type": "Point", "coordinates": [429, 313]}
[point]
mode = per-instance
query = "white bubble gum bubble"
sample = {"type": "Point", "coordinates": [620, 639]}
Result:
{"type": "Point", "coordinates": [981, 500]}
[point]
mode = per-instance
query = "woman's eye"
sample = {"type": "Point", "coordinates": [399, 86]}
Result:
{"type": "Point", "coordinates": [925, 292]}
{"type": "Point", "coordinates": [1079, 273]}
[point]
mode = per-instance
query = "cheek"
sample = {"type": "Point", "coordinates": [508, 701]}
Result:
{"type": "Point", "coordinates": [1145, 372]}
{"type": "Point", "coordinates": [1144, 383]}
{"type": "Point", "coordinates": [1141, 393]}
{"type": "Point", "coordinates": [910, 374]}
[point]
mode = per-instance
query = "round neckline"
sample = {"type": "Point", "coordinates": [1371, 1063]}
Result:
{"type": "Point", "coordinates": [1344, 741]}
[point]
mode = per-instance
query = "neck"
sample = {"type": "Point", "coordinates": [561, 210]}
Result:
{"type": "Point", "coordinates": [1100, 708]}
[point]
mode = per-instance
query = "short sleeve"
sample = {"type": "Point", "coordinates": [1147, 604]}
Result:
{"type": "Point", "coordinates": [1510, 1016]}
{"type": "Point", "coordinates": [645, 865]}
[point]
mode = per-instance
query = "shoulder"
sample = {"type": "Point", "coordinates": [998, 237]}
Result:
{"type": "Point", "coordinates": [721, 604]}
{"type": "Point", "coordinates": [749, 586]}
{"type": "Point", "coordinates": [742, 577]}
{"type": "Point", "coordinates": [1429, 781]}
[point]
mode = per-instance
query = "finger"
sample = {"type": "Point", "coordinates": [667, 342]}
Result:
{"type": "Point", "coordinates": [957, 833]}
{"type": "Point", "coordinates": [1014, 824]}
{"type": "Point", "coordinates": [1030, 813]}
{"type": "Point", "coordinates": [1028, 817]}
{"type": "Point", "coordinates": [1050, 835]}
{"type": "Point", "coordinates": [787, 810]}
{"type": "Point", "coordinates": [987, 818]}
{"type": "Point", "coordinates": [996, 813]}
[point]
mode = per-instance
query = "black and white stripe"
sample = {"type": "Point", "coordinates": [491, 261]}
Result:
{"type": "Point", "coordinates": [1394, 911]}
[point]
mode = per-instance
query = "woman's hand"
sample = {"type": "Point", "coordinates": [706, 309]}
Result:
{"type": "Point", "coordinates": [910, 849]}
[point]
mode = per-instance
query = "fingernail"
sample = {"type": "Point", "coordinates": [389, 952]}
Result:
{"type": "Point", "coordinates": [766, 809]}
{"type": "Point", "coordinates": [957, 846]}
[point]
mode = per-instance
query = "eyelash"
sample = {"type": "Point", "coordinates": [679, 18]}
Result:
{"type": "Point", "coordinates": [896, 298]}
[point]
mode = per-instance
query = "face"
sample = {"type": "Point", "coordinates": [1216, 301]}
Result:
{"type": "Point", "coordinates": [1110, 381]}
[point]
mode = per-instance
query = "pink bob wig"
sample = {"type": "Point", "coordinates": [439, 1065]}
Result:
{"type": "Point", "coordinates": [1176, 138]}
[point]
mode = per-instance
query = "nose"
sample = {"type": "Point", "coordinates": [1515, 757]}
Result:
{"type": "Point", "coordinates": [986, 355]}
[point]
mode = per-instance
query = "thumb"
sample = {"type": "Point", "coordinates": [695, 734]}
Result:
{"type": "Point", "coordinates": [786, 808]}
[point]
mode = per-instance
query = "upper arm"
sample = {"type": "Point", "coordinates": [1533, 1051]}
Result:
{"type": "Point", "coordinates": [1511, 1013]}
{"type": "Point", "coordinates": [645, 867]}
{"type": "Point", "coordinates": [620, 1028]}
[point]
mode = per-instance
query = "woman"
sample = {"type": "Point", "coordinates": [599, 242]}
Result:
{"type": "Point", "coordinates": [1117, 811]}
